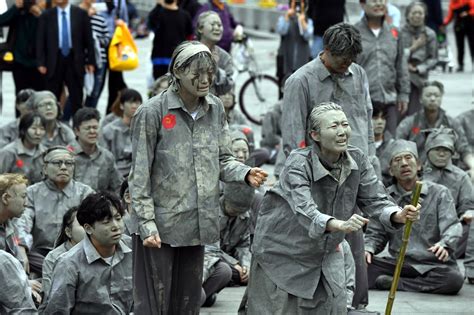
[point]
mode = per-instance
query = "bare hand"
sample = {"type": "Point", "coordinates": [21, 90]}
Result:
{"type": "Point", "coordinates": [152, 241]}
{"type": "Point", "coordinates": [441, 253]}
{"type": "Point", "coordinates": [90, 68]}
{"type": "Point", "coordinates": [119, 22]}
{"type": "Point", "coordinates": [419, 42]}
{"type": "Point", "coordinates": [36, 10]}
{"type": "Point", "coordinates": [355, 223]}
{"type": "Point", "coordinates": [290, 13]}
{"type": "Point", "coordinates": [368, 257]}
{"type": "Point", "coordinates": [19, 4]}
{"type": "Point", "coordinates": [43, 70]}
{"type": "Point", "coordinates": [467, 217]}
{"type": "Point", "coordinates": [402, 107]}
{"type": "Point", "coordinates": [244, 277]}
{"type": "Point", "coordinates": [256, 176]}
{"type": "Point", "coordinates": [412, 68]}
{"type": "Point", "coordinates": [35, 285]}
{"type": "Point", "coordinates": [302, 18]}
{"type": "Point", "coordinates": [37, 297]}
{"type": "Point", "coordinates": [91, 11]}
{"type": "Point", "coordinates": [408, 212]}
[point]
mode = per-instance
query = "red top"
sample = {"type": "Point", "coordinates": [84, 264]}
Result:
{"type": "Point", "coordinates": [456, 5]}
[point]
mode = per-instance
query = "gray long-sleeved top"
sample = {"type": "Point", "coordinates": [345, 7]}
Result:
{"type": "Point", "coordinates": [84, 283]}
{"type": "Point", "coordinates": [456, 180]}
{"type": "Point", "coordinates": [438, 224]}
{"type": "Point", "coordinates": [465, 121]}
{"type": "Point", "coordinates": [177, 164]}
{"type": "Point", "coordinates": [424, 58]}
{"type": "Point", "coordinates": [223, 81]}
{"type": "Point", "coordinates": [235, 238]}
{"type": "Point", "coordinates": [63, 135]}
{"type": "Point", "coordinates": [412, 128]}
{"type": "Point", "coordinates": [15, 158]}
{"type": "Point", "coordinates": [384, 62]}
{"type": "Point", "coordinates": [46, 205]}
{"type": "Point", "coordinates": [8, 238]}
{"type": "Point", "coordinates": [15, 294]}
{"type": "Point", "coordinates": [313, 84]}
{"type": "Point", "coordinates": [48, 267]}
{"type": "Point", "coordinates": [98, 170]}
{"type": "Point", "coordinates": [116, 137]}
{"type": "Point", "coordinates": [8, 132]}
{"type": "Point", "coordinates": [291, 243]}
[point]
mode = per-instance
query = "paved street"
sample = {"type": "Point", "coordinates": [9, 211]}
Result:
{"type": "Point", "coordinates": [458, 98]}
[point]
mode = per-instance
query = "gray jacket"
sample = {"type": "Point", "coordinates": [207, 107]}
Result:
{"type": "Point", "coordinates": [9, 132]}
{"type": "Point", "coordinates": [116, 137]}
{"type": "Point", "coordinates": [223, 81]}
{"type": "Point", "coordinates": [63, 135]}
{"type": "Point", "coordinates": [385, 64]}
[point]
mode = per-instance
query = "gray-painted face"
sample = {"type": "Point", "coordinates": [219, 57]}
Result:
{"type": "Point", "coordinates": [197, 78]}
{"type": "Point", "coordinates": [416, 16]}
{"type": "Point", "coordinates": [107, 232]}
{"type": "Point", "coordinates": [404, 166]}
{"type": "Point", "coordinates": [47, 108]}
{"type": "Point", "coordinates": [379, 122]}
{"type": "Point", "coordinates": [211, 29]}
{"type": "Point", "coordinates": [431, 97]}
{"type": "Point", "coordinates": [335, 132]}
{"type": "Point", "coordinates": [59, 167]}
{"type": "Point", "coordinates": [36, 132]}
{"type": "Point", "coordinates": [240, 149]}
{"type": "Point", "coordinates": [375, 8]}
{"type": "Point", "coordinates": [440, 156]}
{"type": "Point", "coordinates": [16, 199]}
{"type": "Point", "coordinates": [75, 232]}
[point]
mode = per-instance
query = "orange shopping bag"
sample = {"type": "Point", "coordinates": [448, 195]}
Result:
{"type": "Point", "coordinates": [123, 53]}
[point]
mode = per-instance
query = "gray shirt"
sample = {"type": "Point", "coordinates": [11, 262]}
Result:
{"type": "Point", "coordinates": [438, 224]}
{"type": "Point", "coordinates": [291, 243]}
{"type": "Point", "coordinates": [84, 283]}
{"type": "Point", "coordinates": [177, 164]}
{"type": "Point", "coordinates": [456, 180]}
{"type": "Point", "coordinates": [116, 137]}
{"type": "Point", "coordinates": [224, 81]}
{"type": "Point", "coordinates": [15, 295]}
{"type": "Point", "coordinates": [465, 120]}
{"type": "Point", "coordinates": [48, 266]}
{"type": "Point", "coordinates": [384, 62]}
{"type": "Point", "coordinates": [9, 238]}
{"type": "Point", "coordinates": [98, 170]}
{"type": "Point", "coordinates": [15, 158]}
{"type": "Point", "coordinates": [9, 132]}
{"type": "Point", "coordinates": [311, 85]}
{"type": "Point", "coordinates": [235, 238]}
{"type": "Point", "coordinates": [46, 205]}
{"type": "Point", "coordinates": [63, 135]}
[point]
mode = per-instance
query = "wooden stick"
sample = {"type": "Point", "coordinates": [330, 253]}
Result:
{"type": "Point", "coordinates": [401, 256]}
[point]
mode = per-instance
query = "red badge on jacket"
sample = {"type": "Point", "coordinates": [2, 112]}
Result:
{"type": "Point", "coordinates": [302, 144]}
{"type": "Point", "coordinates": [394, 32]}
{"type": "Point", "coordinates": [415, 130]}
{"type": "Point", "coordinates": [20, 163]}
{"type": "Point", "coordinates": [169, 121]}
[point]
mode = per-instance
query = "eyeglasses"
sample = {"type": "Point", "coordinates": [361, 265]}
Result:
{"type": "Point", "coordinates": [45, 104]}
{"type": "Point", "coordinates": [59, 163]}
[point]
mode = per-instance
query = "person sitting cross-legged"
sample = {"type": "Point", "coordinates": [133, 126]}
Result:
{"type": "Point", "coordinates": [429, 265]}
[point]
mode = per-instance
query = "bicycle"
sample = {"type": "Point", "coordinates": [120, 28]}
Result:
{"type": "Point", "coordinates": [259, 93]}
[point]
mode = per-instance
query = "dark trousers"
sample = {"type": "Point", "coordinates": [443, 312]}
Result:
{"type": "Point", "coordinates": [167, 280]}
{"type": "Point", "coordinates": [440, 280]}
{"type": "Point", "coordinates": [464, 28]}
{"type": "Point", "coordinates": [36, 258]}
{"type": "Point", "coordinates": [65, 74]}
{"type": "Point", "coordinates": [26, 78]}
{"type": "Point", "coordinates": [414, 104]}
{"type": "Point", "coordinates": [462, 244]}
{"type": "Point", "coordinates": [116, 84]}
{"type": "Point", "coordinates": [469, 260]}
{"type": "Point", "coordinates": [159, 70]}
{"type": "Point", "coordinates": [218, 280]}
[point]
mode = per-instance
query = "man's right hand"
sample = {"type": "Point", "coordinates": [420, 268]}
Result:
{"type": "Point", "coordinates": [152, 241]}
{"type": "Point", "coordinates": [19, 4]}
{"type": "Point", "coordinates": [42, 70]}
{"type": "Point", "coordinates": [368, 257]}
{"type": "Point", "coordinates": [356, 222]}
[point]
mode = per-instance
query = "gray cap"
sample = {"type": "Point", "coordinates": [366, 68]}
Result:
{"type": "Point", "coordinates": [400, 146]}
{"type": "Point", "coordinates": [42, 95]}
{"type": "Point", "coordinates": [442, 137]}
{"type": "Point", "coordinates": [238, 135]}
{"type": "Point", "coordinates": [238, 196]}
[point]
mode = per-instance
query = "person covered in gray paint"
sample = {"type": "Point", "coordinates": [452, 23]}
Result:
{"type": "Point", "coordinates": [416, 127]}
{"type": "Point", "coordinates": [465, 121]}
{"type": "Point", "coordinates": [95, 165]}
{"type": "Point", "coordinates": [15, 295]}
{"type": "Point", "coordinates": [181, 149]}
{"type": "Point", "coordinates": [116, 136]}
{"type": "Point", "coordinates": [70, 234]}
{"type": "Point", "coordinates": [57, 132]}
{"type": "Point", "coordinates": [312, 206]}
{"type": "Point", "coordinates": [95, 276]}
{"type": "Point", "coordinates": [384, 62]}
{"type": "Point", "coordinates": [421, 50]}
{"type": "Point", "coordinates": [25, 154]}
{"type": "Point", "coordinates": [440, 169]}
{"type": "Point", "coordinates": [47, 202]}
{"type": "Point", "coordinates": [9, 131]}
{"type": "Point", "coordinates": [209, 31]}
{"type": "Point", "coordinates": [383, 140]}
{"type": "Point", "coordinates": [429, 265]}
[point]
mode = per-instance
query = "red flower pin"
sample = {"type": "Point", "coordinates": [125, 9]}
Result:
{"type": "Point", "coordinates": [394, 32]}
{"type": "Point", "coordinates": [246, 130]}
{"type": "Point", "coordinates": [70, 148]}
{"type": "Point", "coordinates": [415, 130]}
{"type": "Point", "coordinates": [302, 144]}
{"type": "Point", "coordinates": [169, 121]}
{"type": "Point", "coordinates": [20, 163]}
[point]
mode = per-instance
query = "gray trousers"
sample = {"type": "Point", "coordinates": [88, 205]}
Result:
{"type": "Point", "coordinates": [469, 260]}
{"type": "Point", "coordinates": [462, 243]}
{"type": "Point", "coordinates": [166, 280]}
{"type": "Point", "coordinates": [441, 280]}
{"type": "Point", "coordinates": [265, 298]}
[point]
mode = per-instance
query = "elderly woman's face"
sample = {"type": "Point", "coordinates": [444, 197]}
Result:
{"type": "Point", "coordinates": [211, 29]}
{"type": "Point", "coordinates": [47, 108]}
{"type": "Point", "coordinates": [334, 132]}
{"type": "Point", "coordinates": [416, 16]}
{"type": "Point", "coordinates": [197, 78]}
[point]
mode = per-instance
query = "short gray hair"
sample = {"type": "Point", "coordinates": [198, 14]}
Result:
{"type": "Point", "coordinates": [435, 83]}
{"type": "Point", "coordinates": [201, 18]}
{"type": "Point", "coordinates": [343, 39]}
{"type": "Point", "coordinates": [321, 108]}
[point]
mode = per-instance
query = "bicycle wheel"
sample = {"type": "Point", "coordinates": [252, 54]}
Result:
{"type": "Point", "coordinates": [257, 96]}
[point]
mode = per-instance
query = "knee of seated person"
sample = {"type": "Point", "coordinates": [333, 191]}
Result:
{"type": "Point", "coordinates": [454, 282]}
{"type": "Point", "coordinates": [225, 271]}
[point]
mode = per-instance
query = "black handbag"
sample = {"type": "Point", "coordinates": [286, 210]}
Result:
{"type": "Point", "coordinates": [6, 51]}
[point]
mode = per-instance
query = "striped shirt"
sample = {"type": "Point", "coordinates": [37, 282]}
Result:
{"type": "Point", "coordinates": [101, 35]}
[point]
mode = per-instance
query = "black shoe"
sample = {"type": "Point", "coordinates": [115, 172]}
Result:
{"type": "Point", "coordinates": [460, 69]}
{"type": "Point", "coordinates": [210, 300]}
{"type": "Point", "coordinates": [383, 282]}
{"type": "Point", "coordinates": [470, 280]}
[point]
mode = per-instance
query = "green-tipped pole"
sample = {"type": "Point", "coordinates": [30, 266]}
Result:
{"type": "Point", "coordinates": [401, 256]}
